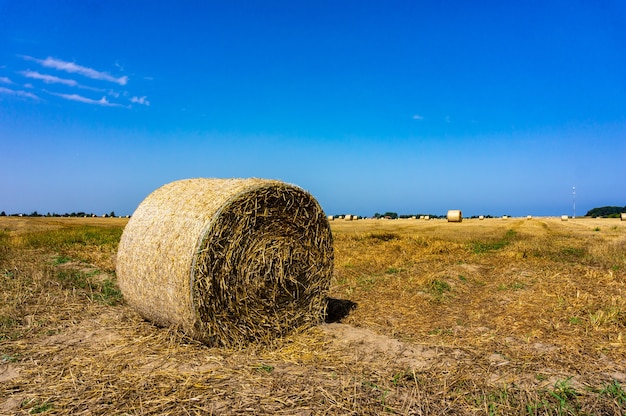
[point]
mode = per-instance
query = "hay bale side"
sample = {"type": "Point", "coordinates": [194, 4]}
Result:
{"type": "Point", "coordinates": [455, 215]}
{"type": "Point", "coordinates": [564, 217]}
{"type": "Point", "coordinates": [229, 261]}
{"type": "Point", "coordinates": [623, 216]}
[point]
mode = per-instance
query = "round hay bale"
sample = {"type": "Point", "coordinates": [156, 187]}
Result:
{"type": "Point", "coordinates": [455, 215]}
{"type": "Point", "coordinates": [348, 217]}
{"type": "Point", "coordinates": [564, 218]}
{"type": "Point", "coordinates": [623, 216]}
{"type": "Point", "coordinates": [481, 217]}
{"type": "Point", "coordinates": [330, 218]}
{"type": "Point", "coordinates": [228, 261]}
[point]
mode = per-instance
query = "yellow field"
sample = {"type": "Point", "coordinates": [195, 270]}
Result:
{"type": "Point", "coordinates": [497, 316]}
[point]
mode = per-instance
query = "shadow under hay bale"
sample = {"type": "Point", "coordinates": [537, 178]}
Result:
{"type": "Point", "coordinates": [229, 261]}
{"type": "Point", "coordinates": [337, 309]}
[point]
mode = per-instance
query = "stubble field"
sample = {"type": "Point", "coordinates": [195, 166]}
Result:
{"type": "Point", "coordinates": [516, 316]}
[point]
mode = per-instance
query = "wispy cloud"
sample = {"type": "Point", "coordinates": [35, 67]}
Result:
{"type": "Point", "coordinates": [140, 100]}
{"type": "Point", "coordinates": [75, 97]}
{"type": "Point", "coordinates": [49, 79]}
{"type": "Point", "coordinates": [5, 80]}
{"type": "Point", "coordinates": [73, 68]}
{"type": "Point", "coordinates": [417, 117]}
{"type": "Point", "coordinates": [46, 74]}
{"type": "Point", "coordinates": [18, 93]}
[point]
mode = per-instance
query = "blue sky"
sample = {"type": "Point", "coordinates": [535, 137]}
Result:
{"type": "Point", "coordinates": [406, 106]}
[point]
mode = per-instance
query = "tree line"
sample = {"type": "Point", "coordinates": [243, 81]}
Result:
{"type": "Point", "coordinates": [54, 214]}
{"type": "Point", "coordinates": [606, 212]}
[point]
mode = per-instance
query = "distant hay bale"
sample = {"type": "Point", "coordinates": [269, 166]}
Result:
{"type": "Point", "coordinates": [427, 217]}
{"type": "Point", "coordinates": [481, 217]}
{"type": "Point", "coordinates": [330, 218]}
{"type": "Point", "coordinates": [564, 218]}
{"type": "Point", "coordinates": [530, 217]}
{"type": "Point", "coordinates": [623, 216]}
{"type": "Point", "coordinates": [348, 218]}
{"type": "Point", "coordinates": [228, 261]}
{"type": "Point", "coordinates": [455, 215]}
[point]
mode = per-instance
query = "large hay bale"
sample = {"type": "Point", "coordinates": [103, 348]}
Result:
{"type": "Point", "coordinates": [455, 215]}
{"type": "Point", "coordinates": [229, 261]}
{"type": "Point", "coordinates": [564, 217]}
{"type": "Point", "coordinates": [622, 216]}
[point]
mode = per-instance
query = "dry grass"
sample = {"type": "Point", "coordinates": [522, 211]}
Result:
{"type": "Point", "coordinates": [479, 317]}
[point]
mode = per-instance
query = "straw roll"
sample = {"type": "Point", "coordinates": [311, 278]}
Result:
{"type": "Point", "coordinates": [622, 216]}
{"type": "Point", "coordinates": [455, 215]}
{"type": "Point", "coordinates": [229, 261]}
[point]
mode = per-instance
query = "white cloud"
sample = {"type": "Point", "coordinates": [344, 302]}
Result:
{"type": "Point", "coordinates": [73, 68]}
{"type": "Point", "coordinates": [5, 80]}
{"type": "Point", "coordinates": [75, 97]}
{"type": "Point", "coordinates": [417, 117]}
{"type": "Point", "coordinates": [140, 100]}
{"type": "Point", "coordinates": [49, 79]}
{"type": "Point", "coordinates": [18, 93]}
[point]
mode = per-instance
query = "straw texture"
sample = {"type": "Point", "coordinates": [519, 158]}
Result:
{"type": "Point", "coordinates": [229, 261]}
{"type": "Point", "coordinates": [455, 215]}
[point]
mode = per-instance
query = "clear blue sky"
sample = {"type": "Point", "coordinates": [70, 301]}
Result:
{"type": "Point", "coordinates": [372, 106]}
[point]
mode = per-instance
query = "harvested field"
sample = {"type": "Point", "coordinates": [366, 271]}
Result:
{"type": "Point", "coordinates": [525, 316]}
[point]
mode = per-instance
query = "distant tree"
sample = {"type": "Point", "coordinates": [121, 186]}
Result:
{"type": "Point", "coordinates": [112, 214]}
{"type": "Point", "coordinates": [3, 214]}
{"type": "Point", "coordinates": [392, 215]}
{"type": "Point", "coordinates": [608, 211]}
